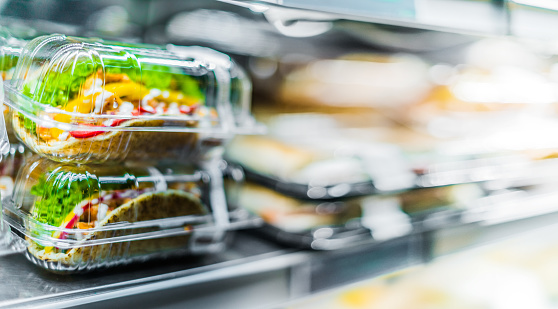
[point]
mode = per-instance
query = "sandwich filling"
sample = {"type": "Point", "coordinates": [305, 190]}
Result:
{"type": "Point", "coordinates": [76, 201]}
{"type": "Point", "coordinates": [115, 91]}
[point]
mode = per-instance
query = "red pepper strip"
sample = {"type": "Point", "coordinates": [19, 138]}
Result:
{"type": "Point", "coordinates": [147, 109]}
{"type": "Point", "coordinates": [72, 222]}
{"type": "Point", "coordinates": [85, 134]}
{"type": "Point", "coordinates": [117, 122]}
{"type": "Point", "coordinates": [68, 223]}
{"type": "Point", "coordinates": [185, 109]}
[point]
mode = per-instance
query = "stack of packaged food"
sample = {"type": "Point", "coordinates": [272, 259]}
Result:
{"type": "Point", "coordinates": [128, 140]}
{"type": "Point", "coordinates": [14, 158]}
{"type": "Point", "coordinates": [369, 146]}
{"type": "Point", "coordinates": [330, 187]}
{"type": "Point", "coordinates": [10, 48]}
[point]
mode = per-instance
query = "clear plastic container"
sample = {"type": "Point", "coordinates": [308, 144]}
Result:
{"type": "Point", "coordinates": [85, 101]}
{"type": "Point", "coordinates": [373, 81]}
{"type": "Point", "coordinates": [5, 238]}
{"type": "Point", "coordinates": [10, 166]}
{"type": "Point", "coordinates": [78, 218]}
{"type": "Point", "coordinates": [4, 143]}
{"type": "Point", "coordinates": [329, 168]}
{"type": "Point", "coordinates": [475, 102]}
{"type": "Point", "coordinates": [337, 223]}
{"type": "Point", "coordinates": [10, 50]}
{"type": "Point", "coordinates": [240, 85]}
{"type": "Point", "coordinates": [305, 224]}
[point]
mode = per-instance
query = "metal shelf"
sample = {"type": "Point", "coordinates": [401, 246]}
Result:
{"type": "Point", "coordinates": [250, 264]}
{"type": "Point", "coordinates": [252, 273]}
{"type": "Point", "coordinates": [525, 18]}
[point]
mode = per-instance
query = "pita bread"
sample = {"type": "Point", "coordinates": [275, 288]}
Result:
{"type": "Point", "coordinates": [117, 145]}
{"type": "Point", "coordinates": [149, 206]}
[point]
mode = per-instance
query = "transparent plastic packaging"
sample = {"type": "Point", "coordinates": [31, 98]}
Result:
{"type": "Point", "coordinates": [331, 168]}
{"type": "Point", "coordinates": [332, 224]}
{"type": "Point", "coordinates": [320, 166]}
{"type": "Point", "coordinates": [471, 101]}
{"type": "Point", "coordinates": [366, 80]}
{"type": "Point", "coordinates": [5, 238]}
{"type": "Point", "coordinates": [304, 224]}
{"type": "Point", "coordinates": [85, 101]}
{"type": "Point", "coordinates": [10, 50]}
{"type": "Point", "coordinates": [11, 162]}
{"type": "Point", "coordinates": [78, 218]}
{"type": "Point", "coordinates": [240, 85]}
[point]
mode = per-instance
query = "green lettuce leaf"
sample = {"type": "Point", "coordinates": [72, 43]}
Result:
{"type": "Point", "coordinates": [62, 85]}
{"type": "Point", "coordinates": [59, 192]}
{"type": "Point", "coordinates": [7, 62]}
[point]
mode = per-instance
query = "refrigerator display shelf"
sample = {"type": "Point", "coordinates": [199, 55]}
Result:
{"type": "Point", "coordinates": [252, 262]}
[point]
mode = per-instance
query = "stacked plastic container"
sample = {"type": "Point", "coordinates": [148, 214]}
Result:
{"type": "Point", "coordinates": [9, 53]}
{"type": "Point", "coordinates": [5, 238]}
{"type": "Point", "coordinates": [332, 187]}
{"type": "Point", "coordinates": [132, 136]}
{"type": "Point", "coordinates": [10, 48]}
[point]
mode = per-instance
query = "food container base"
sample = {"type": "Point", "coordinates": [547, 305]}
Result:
{"type": "Point", "coordinates": [5, 238]}
{"type": "Point", "coordinates": [64, 269]}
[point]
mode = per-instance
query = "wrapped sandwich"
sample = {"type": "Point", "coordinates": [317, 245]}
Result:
{"type": "Point", "coordinates": [84, 101]}
{"type": "Point", "coordinates": [87, 217]}
{"type": "Point", "coordinates": [293, 215]}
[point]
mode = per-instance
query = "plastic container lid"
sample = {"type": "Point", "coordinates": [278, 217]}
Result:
{"type": "Point", "coordinates": [80, 100]}
{"type": "Point", "coordinates": [322, 225]}
{"type": "Point", "coordinates": [334, 224]}
{"type": "Point", "coordinates": [475, 102]}
{"type": "Point", "coordinates": [332, 165]}
{"type": "Point", "coordinates": [10, 50]}
{"type": "Point", "coordinates": [358, 80]}
{"type": "Point", "coordinates": [4, 234]}
{"type": "Point", "coordinates": [4, 144]}
{"type": "Point", "coordinates": [10, 166]}
{"type": "Point", "coordinates": [6, 63]}
{"type": "Point", "coordinates": [240, 85]}
{"type": "Point", "coordinates": [83, 217]}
